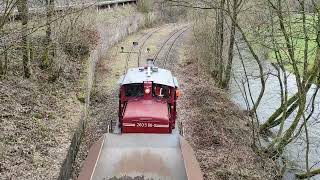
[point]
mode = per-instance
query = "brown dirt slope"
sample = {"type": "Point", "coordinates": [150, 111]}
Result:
{"type": "Point", "coordinates": [36, 123]}
{"type": "Point", "coordinates": [218, 130]}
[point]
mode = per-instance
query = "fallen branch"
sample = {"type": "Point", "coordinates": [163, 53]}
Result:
{"type": "Point", "coordinates": [7, 115]}
{"type": "Point", "coordinates": [308, 175]}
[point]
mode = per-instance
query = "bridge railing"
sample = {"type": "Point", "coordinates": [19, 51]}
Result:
{"type": "Point", "coordinates": [100, 4]}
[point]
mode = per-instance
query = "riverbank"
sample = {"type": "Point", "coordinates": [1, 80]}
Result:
{"type": "Point", "coordinates": [218, 130]}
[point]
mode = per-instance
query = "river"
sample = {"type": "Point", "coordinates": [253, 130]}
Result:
{"type": "Point", "coordinates": [295, 152]}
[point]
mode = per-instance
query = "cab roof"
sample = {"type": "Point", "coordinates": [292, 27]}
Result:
{"type": "Point", "coordinates": [140, 75]}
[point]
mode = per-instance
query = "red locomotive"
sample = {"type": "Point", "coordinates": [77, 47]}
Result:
{"type": "Point", "coordinates": [148, 100]}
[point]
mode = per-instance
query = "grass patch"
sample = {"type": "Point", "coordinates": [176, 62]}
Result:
{"type": "Point", "coordinates": [294, 27]}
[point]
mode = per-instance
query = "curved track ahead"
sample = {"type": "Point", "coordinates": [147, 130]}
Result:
{"type": "Point", "coordinates": [171, 46]}
{"type": "Point", "coordinates": [168, 39]}
{"type": "Point", "coordinates": [143, 42]}
{"type": "Point", "coordinates": [164, 50]}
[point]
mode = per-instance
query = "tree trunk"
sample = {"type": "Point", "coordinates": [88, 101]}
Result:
{"type": "Point", "coordinates": [49, 50]}
{"type": "Point", "coordinates": [215, 61]}
{"type": "Point", "coordinates": [220, 29]}
{"type": "Point", "coordinates": [227, 75]}
{"type": "Point", "coordinates": [23, 11]}
{"type": "Point", "coordinates": [1, 67]}
{"type": "Point", "coordinates": [286, 139]}
{"type": "Point", "coordinates": [311, 174]}
{"type": "Point", "coordinates": [6, 61]}
{"type": "Point", "coordinates": [272, 121]}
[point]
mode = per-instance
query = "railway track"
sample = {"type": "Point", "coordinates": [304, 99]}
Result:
{"type": "Point", "coordinates": [147, 36]}
{"type": "Point", "coordinates": [170, 41]}
{"type": "Point", "coordinates": [171, 46]}
{"type": "Point", "coordinates": [173, 37]}
{"type": "Point", "coordinates": [144, 42]}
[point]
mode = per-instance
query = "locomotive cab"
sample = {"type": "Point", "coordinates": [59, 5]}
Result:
{"type": "Point", "coordinates": [147, 100]}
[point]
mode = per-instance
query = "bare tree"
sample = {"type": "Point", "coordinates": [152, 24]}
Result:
{"type": "Point", "coordinates": [233, 8]}
{"type": "Point", "coordinates": [220, 37]}
{"type": "Point", "coordinates": [24, 15]}
{"type": "Point", "coordinates": [304, 78]}
{"type": "Point", "coordinates": [7, 7]}
{"type": "Point", "coordinates": [49, 49]}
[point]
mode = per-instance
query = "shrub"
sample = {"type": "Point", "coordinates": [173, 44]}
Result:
{"type": "Point", "coordinates": [79, 44]}
{"type": "Point", "coordinates": [145, 6]}
{"type": "Point", "coordinates": [78, 36]}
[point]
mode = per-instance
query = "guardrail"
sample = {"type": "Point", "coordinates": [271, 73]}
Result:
{"type": "Point", "coordinates": [109, 4]}
{"type": "Point", "coordinates": [99, 5]}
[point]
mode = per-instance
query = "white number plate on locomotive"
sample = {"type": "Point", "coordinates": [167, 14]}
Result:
{"type": "Point", "coordinates": [145, 125]}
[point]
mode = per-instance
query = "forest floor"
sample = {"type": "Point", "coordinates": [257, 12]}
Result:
{"type": "Point", "coordinates": [37, 120]}
{"type": "Point", "coordinates": [217, 129]}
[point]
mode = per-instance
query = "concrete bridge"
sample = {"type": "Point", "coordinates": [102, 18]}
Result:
{"type": "Point", "coordinates": [110, 4]}
{"type": "Point", "coordinates": [65, 6]}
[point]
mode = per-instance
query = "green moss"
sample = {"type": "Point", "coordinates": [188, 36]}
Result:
{"type": "Point", "coordinates": [37, 116]}
{"type": "Point", "coordinates": [81, 97]}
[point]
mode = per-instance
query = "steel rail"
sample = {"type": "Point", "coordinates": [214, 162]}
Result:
{"type": "Point", "coordinates": [173, 43]}
{"type": "Point", "coordinates": [167, 40]}
{"type": "Point", "coordinates": [149, 34]}
{"type": "Point", "coordinates": [140, 49]}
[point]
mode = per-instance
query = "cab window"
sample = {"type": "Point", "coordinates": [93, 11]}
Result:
{"type": "Point", "coordinates": [161, 91]}
{"type": "Point", "coordinates": [134, 90]}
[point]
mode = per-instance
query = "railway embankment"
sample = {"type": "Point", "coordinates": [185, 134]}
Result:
{"type": "Point", "coordinates": [218, 130]}
{"type": "Point", "coordinates": [40, 119]}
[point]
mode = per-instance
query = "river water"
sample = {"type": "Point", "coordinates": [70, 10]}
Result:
{"type": "Point", "coordinates": [295, 152]}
